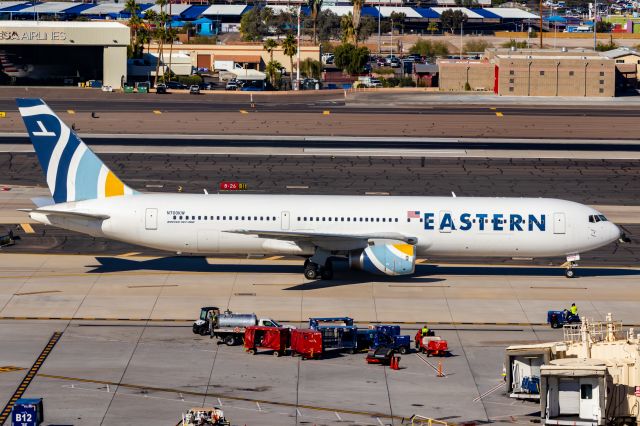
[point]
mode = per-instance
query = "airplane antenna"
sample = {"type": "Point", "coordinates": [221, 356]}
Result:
{"type": "Point", "coordinates": [453, 194]}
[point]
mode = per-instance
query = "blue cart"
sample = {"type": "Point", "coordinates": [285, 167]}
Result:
{"type": "Point", "coordinates": [387, 336]}
{"type": "Point", "coordinates": [559, 318]}
{"type": "Point", "coordinates": [338, 333]}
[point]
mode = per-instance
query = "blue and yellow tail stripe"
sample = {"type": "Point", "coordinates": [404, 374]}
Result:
{"type": "Point", "coordinates": [73, 171]}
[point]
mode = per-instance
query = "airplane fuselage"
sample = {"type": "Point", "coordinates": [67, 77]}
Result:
{"type": "Point", "coordinates": [447, 226]}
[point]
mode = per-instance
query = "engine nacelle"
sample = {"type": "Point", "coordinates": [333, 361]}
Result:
{"type": "Point", "coordinates": [385, 258]}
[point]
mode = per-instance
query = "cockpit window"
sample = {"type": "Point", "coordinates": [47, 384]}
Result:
{"type": "Point", "coordinates": [597, 218]}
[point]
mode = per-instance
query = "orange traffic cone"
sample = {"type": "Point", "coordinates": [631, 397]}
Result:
{"type": "Point", "coordinates": [440, 374]}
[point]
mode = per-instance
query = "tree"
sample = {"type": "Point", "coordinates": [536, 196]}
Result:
{"type": "Point", "coordinates": [347, 29]}
{"type": "Point", "coordinates": [134, 24]}
{"type": "Point", "coordinates": [290, 48]}
{"type": "Point", "coordinates": [328, 26]}
{"type": "Point", "coordinates": [603, 27]}
{"type": "Point", "coordinates": [256, 23]}
{"type": "Point", "coordinates": [467, 3]}
{"type": "Point", "coordinates": [432, 27]}
{"type": "Point", "coordinates": [311, 68]}
{"type": "Point", "coordinates": [316, 7]}
{"type": "Point", "coordinates": [273, 71]}
{"type": "Point", "coordinates": [452, 19]}
{"type": "Point", "coordinates": [368, 26]}
{"type": "Point", "coordinates": [355, 19]}
{"type": "Point", "coordinates": [397, 19]}
{"type": "Point", "coordinates": [270, 45]}
{"type": "Point", "coordinates": [351, 59]}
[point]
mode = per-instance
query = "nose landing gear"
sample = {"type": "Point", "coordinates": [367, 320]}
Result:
{"type": "Point", "coordinates": [570, 264]}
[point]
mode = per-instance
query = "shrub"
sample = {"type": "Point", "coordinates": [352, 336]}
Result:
{"type": "Point", "coordinates": [475, 46]}
{"type": "Point", "coordinates": [429, 48]}
{"type": "Point", "coordinates": [189, 79]}
{"type": "Point", "coordinates": [351, 59]}
{"type": "Point", "coordinates": [383, 71]}
{"type": "Point", "coordinates": [603, 47]}
{"type": "Point", "coordinates": [514, 43]}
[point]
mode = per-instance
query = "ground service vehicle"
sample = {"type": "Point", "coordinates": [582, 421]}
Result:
{"type": "Point", "coordinates": [557, 319]}
{"type": "Point", "coordinates": [337, 333]}
{"type": "Point", "coordinates": [194, 89]}
{"type": "Point", "coordinates": [434, 345]}
{"type": "Point", "coordinates": [231, 85]}
{"type": "Point", "coordinates": [389, 336]}
{"type": "Point", "coordinates": [273, 338]}
{"type": "Point", "coordinates": [161, 89]}
{"type": "Point", "coordinates": [227, 326]}
{"type": "Point", "coordinates": [306, 343]}
{"type": "Point", "coordinates": [381, 355]}
{"type": "Point", "coordinates": [205, 416]}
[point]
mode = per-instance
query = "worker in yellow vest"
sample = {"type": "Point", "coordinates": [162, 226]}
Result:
{"type": "Point", "coordinates": [574, 309]}
{"type": "Point", "coordinates": [425, 331]}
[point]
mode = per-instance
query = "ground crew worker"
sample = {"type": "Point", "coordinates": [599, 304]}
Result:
{"type": "Point", "coordinates": [574, 309]}
{"type": "Point", "coordinates": [425, 330]}
{"type": "Point", "coordinates": [210, 321]}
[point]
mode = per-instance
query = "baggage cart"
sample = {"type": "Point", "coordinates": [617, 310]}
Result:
{"type": "Point", "coordinates": [271, 338]}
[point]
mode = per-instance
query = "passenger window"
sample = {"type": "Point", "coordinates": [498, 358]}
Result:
{"type": "Point", "coordinates": [236, 217]}
{"type": "Point", "coordinates": [242, 217]}
{"type": "Point", "coordinates": [180, 217]}
{"type": "Point", "coordinates": [217, 217]}
{"type": "Point", "coordinates": [174, 218]}
{"type": "Point", "coordinates": [261, 218]}
{"type": "Point", "coordinates": [193, 218]}
{"type": "Point", "coordinates": [199, 217]}
{"type": "Point", "coordinates": [298, 218]}
{"type": "Point", "coordinates": [248, 217]}
{"type": "Point", "coordinates": [586, 391]}
{"type": "Point", "coordinates": [256, 218]}
{"type": "Point", "coordinates": [396, 219]}
{"type": "Point", "coordinates": [329, 219]}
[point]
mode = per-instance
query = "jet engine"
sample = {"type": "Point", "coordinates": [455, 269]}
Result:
{"type": "Point", "coordinates": [384, 257]}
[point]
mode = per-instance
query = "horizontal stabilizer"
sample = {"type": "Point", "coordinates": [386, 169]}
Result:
{"type": "Point", "coordinates": [43, 201]}
{"type": "Point", "coordinates": [62, 213]}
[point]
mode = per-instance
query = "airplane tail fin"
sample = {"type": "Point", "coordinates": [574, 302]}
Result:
{"type": "Point", "coordinates": [73, 171]}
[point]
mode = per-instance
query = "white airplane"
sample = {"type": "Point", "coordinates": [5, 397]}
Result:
{"type": "Point", "coordinates": [381, 235]}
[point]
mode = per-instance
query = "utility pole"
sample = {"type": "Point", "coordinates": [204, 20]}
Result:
{"type": "Point", "coordinates": [298, 51]}
{"type": "Point", "coordinates": [595, 23]}
{"type": "Point", "coordinates": [379, 40]}
{"type": "Point", "coordinates": [540, 24]}
{"type": "Point", "coordinates": [461, 26]}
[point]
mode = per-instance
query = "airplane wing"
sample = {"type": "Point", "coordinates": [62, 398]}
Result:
{"type": "Point", "coordinates": [327, 240]}
{"type": "Point", "coordinates": [60, 213]}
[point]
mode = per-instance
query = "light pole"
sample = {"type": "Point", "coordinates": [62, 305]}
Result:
{"type": "Point", "coordinates": [379, 40]}
{"type": "Point", "coordinates": [595, 22]}
{"type": "Point", "coordinates": [298, 51]}
{"type": "Point", "coordinates": [461, 26]}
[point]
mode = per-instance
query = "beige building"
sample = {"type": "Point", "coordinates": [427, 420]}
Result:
{"type": "Point", "coordinates": [460, 75]}
{"type": "Point", "coordinates": [529, 72]}
{"type": "Point", "coordinates": [104, 44]}
{"type": "Point", "coordinates": [522, 75]}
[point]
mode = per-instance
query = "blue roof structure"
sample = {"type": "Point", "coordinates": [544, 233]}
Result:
{"type": "Point", "coordinates": [370, 11]}
{"type": "Point", "coordinates": [79, 8]}
{"type": "Point", "coordinates": [485, 13]}
{"type": "Point", "coordinates": [427, 12]}
{"type": "Point", "coordinates": [556, 18]}
{"type": "Point", "coordinates": [17, 7]}
{"type": "Point", "coordinates": [193, 12]}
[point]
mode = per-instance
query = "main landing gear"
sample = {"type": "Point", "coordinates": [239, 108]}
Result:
{"type": "Point", "coordinates": [319, 266]}
{"type": "Point", "coordinates": [314, 271]}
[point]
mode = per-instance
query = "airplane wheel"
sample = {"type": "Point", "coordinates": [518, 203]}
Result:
{"type": "Point", "coordinates": [310, 272]}
{"type": "Point", "coordinates": [569, 273]}
{"type": "Point", "coordinates": [327, 274]}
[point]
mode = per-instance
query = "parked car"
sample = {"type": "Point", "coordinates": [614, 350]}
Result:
{"type": "Point", "coordinates": [176, 85]}
{"type": "Point", "coordinates": [205, 86]}
{"type": "Point", "coordinates": [161, 89]}
{"type": "Point", "coordinates": [374, 82]}
{"type": "Point", "coordinates": [231, 85]}
{"type": "Point", "coordinates": [194, 89]}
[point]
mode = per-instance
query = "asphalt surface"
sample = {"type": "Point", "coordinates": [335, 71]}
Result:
{"type": "Point", "coordinates": [229, 103]}
{"type": "Point", "coordinates": [600, 182]}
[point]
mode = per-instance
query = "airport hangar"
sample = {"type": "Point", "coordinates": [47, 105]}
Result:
{"type": "Point", "coordinates": [97, 50]}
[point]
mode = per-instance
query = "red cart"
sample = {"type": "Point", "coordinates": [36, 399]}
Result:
{"type": "Point", "coordinates": [306, 343]}
{"type": "Point", "coordinates": [434, 345]}
{"type": "Point", "coordinates": [273, 338]}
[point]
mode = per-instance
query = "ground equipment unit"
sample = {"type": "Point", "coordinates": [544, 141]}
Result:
{"type": "Point", "coordinates": [272, 338]}
{"type": "Point", "coordinates": [434, 346]}
{"type": "Point", "coordinates": [306, 342]}
{"type": "Point", "coordinates": [338, 333]}
{"type": "Point", "coordinates": [27, 412]}
{"type": "Point", "coordinates": [227, 326]}
{"type": "Point", "coordinates": [381, 355]}
{"type": "Point", "coordinates": [559, 318]}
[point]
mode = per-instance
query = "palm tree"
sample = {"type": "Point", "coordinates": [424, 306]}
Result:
{"type": "Point", "coordinates": [273, 68]}
{"type": "Point", "coordinates": [270, 45]}
{"type": "Point", "coordinates": [357, 13]}
{"type": "Point", "coordinates": [161, 30]}
{"type": "Point", "coordinates": [151, 17]}
{"type": "Point", "coordinates": [316, 6]}
{"type": "Point", "coordinates": [134, 23]}
{"type": "Point", "coordinates": [348, 32]}
{"type": "Point", "coordinates": [290, 48]}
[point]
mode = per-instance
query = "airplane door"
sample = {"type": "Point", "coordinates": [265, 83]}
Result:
{"type": "Point", "coordinates": [445, 229]}
{"type": "Point", "coordinates": [559, 224]}
{"type": "Point", "coordinates": [589, 399]}
{"type": "Point", "coordinates": [284, 221]}
{"type": "Point", "coordinates": [151, 219]}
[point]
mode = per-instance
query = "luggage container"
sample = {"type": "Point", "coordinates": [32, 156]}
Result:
{"type": "Point", "coordinates": [272, 338]}
{"type": "Point", "coordinates": [306, 343]}
{"type": "Point", "coordinates": [338, 333]}
{"type": "Point", "coordinates": [434, 345]}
